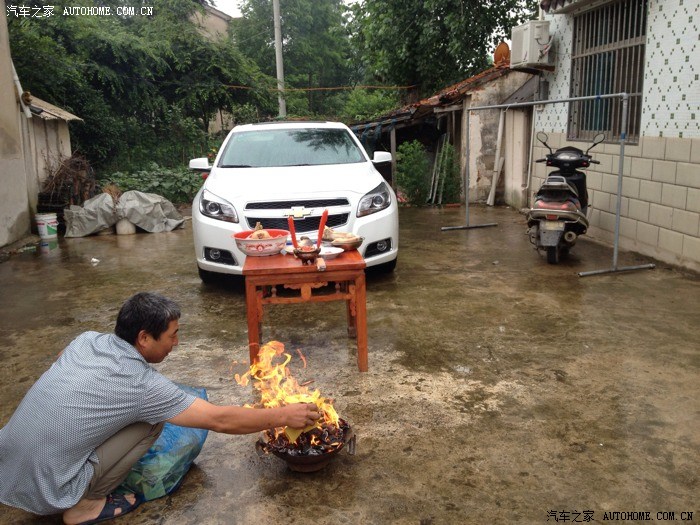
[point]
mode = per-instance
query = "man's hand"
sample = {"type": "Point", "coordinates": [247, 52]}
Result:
{"type": "Point", "coordinates": [301, 415]}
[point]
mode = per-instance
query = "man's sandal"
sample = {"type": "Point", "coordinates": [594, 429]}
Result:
{"type": "Point", "coordinates": [114, 502]}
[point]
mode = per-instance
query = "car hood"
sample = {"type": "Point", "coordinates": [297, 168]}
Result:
{"type": "Point", "coordinates": [253, 184]}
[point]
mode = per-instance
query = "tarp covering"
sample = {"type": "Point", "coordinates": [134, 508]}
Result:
{"type": "Point", "coordinates": [147, 211]}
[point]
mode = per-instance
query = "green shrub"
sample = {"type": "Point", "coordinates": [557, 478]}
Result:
{"type": "Point", "coordinates": [178, 185]}
{"type": "Point", "coordinates": [413, 172]}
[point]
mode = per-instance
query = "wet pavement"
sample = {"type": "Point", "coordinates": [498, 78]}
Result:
{"type": "Point", "coordinates": [500, 389]}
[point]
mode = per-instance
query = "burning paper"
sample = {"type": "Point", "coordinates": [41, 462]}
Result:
{"type": "Point", "coordinates": [273, 380]}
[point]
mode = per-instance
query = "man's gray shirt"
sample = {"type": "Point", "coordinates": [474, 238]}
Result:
{"type": "Point", "coordinates": [99, 385]}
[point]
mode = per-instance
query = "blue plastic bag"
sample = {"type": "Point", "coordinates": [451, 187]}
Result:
{"type": "Point", "coordinates": [161, 470]}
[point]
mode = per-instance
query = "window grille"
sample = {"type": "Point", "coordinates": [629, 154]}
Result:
{"type": "Point", "coordinates": [608, 57]}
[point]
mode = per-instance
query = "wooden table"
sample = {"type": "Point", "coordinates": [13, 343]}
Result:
{"type": "Point", "coordinates": [263, 276]}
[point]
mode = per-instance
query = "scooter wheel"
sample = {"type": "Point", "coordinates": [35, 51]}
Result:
{"type": "Point", "coordinates": [553, 254]}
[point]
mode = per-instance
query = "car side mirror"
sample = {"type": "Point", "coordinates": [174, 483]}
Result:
{"type": "Point", "coordinates": [381, 156]}
{"type": "Point", "coordinates": [201, 164]}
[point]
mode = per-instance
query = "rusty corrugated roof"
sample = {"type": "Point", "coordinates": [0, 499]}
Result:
{"type": "Point", "coordinates": [46, 111]}
{"type": "Point", "coordinates": [444, 97]}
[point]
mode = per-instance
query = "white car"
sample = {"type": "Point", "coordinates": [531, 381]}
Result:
{"type": "Point", "coordinates": [269, 171]}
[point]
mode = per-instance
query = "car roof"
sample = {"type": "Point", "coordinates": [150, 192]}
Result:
{"type": "Point", "coordinates": [293, 124]}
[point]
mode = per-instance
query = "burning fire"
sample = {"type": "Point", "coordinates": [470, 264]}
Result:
{"type": "Point", "coordinates": [277, 388]}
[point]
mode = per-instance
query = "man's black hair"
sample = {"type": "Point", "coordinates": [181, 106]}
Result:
{"type": "Point", "coordinates": [147, 311]}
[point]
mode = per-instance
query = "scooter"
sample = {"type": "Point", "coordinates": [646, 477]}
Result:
{"type": "Point", "coordinates": [559, 214]}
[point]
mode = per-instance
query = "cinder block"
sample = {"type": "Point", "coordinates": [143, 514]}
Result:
{"type": "Point", "coordinates": [606, 164]}
{"type": "Point", "coordinates": [671, 241]}
{"type": "Point", "coordinates": [661, 216]}
{"type": "Point", "coordinates": [606, 221]}
{"type": "Point", "coordinates": [628, 228]}
{"type": "Point", "coordinates": [647, 234]}
{"type": "Point", "coordinates": [650, 191]}
{"type": "Point", "coordinates": [687, 222]}
{"type": "Point", "coordinates": [691, 248]}
{"type": "Point", "coordinates": [594, 180]}
{"type": "Point", "coordinates": [674, 196]}
{"type": "Point", "coordinates": [688, 174]}
{"type": "Point", "coordinates": [630, 187]}
{"type": "Point", "coordinates": [678, 149]}
{"type": "Point", "coordinates": [695, 150]}
{"type": "Point", "coordinates": [693, 201]}
{"type": "Point", "coordinates": [653, 147]}
{"type": "Point", "coordinates": [664, 171]}
{"type": "Point", "coordinates": [642, 168]}
{"type": "Point", "coordinates": [638, 210]}
{"type": "Point", "coordinates": [609, 183]}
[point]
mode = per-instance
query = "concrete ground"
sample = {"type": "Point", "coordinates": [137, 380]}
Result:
{"type": "Point", "coordinates": [500, 389]}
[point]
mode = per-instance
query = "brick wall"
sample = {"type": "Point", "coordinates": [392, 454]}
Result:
{"type": "Point", "coordinates": [660, 205]}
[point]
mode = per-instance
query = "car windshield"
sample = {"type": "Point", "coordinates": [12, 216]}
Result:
{"type": "Point", "coordinates": [290, 147]}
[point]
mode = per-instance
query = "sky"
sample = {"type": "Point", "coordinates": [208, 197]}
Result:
{"type": "Point", "coordinates": [230, 7]}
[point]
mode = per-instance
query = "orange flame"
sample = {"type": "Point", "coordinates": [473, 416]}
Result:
{"type": "Point", "coordinates": [277, 387]}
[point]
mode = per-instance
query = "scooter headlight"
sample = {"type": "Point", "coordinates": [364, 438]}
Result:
{"type": "Point", "coordinates": [215, 207]}
{"type": "Point", "coordinates": [376, 200]}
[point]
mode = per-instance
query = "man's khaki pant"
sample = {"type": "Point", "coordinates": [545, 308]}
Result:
{"type": "Point", "coordinates": [118, 454]}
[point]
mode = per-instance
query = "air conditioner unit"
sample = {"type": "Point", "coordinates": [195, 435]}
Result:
{"type": "Point", "coordinates": [530, 45]}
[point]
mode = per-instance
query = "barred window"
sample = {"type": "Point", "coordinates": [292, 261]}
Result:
{"type": "Point", "coordinates": [608, 57]}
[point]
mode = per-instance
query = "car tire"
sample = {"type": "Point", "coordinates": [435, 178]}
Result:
{"type": "Point", "coordinates": [386, 267]}
{"type": "Point", "coordinates": [207, 277]}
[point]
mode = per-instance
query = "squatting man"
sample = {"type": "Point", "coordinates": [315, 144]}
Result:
{"type": "Point", "coordinates": [91, 416]}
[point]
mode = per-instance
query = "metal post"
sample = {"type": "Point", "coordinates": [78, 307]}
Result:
{"type": "Point", "coordinates": [623, 136]}
{"type": "Point", "coordinates": [278, 59]}
{"type": "Point", "coordinates": [466, 182]}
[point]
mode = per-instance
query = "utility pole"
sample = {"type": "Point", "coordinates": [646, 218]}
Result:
{"type": "Point", "coordinates": [278, 59]}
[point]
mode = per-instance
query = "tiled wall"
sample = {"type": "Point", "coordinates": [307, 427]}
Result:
{"type": "Point", "coordinates": [660, 206]}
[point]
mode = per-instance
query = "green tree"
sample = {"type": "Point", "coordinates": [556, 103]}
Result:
{"type": "Point", "coordinates": [145, 86]}
{"type": "Point", "coordinates": [316, 49]}
{"type": "Point", "coordinates": [432, 43]}
{"type": "Point", "coordinates": [413, 172]}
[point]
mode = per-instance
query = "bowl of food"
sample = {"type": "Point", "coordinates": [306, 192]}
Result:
{"type": "Point", "coordinates": [348, 243]}
{"type": "Point", "coordinates": [261, 242]}
{"type": "Point", "coordinates": [307, 254]}
{"type": "Point", "coordinates": [330, 252]}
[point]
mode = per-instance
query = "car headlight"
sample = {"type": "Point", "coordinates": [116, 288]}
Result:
{"type": "Point", "coordinates": [376, 200]}
{"type": "Point", "coordinates": [217, 208]}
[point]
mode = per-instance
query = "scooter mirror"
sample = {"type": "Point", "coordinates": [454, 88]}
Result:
{"type": "Point", "coordinates": [542, 137]}
{"type": "Point", "coordinates": [600, 137]}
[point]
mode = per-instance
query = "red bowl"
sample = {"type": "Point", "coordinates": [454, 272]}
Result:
{"type": "Point", "coordinates": [260, 247]}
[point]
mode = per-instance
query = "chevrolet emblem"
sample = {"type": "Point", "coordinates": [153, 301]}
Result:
{"type": "Point", "coordinates": [298, 212]}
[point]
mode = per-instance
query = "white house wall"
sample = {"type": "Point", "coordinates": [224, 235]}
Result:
{"type": "Point", "coordinates": [660, 211]}
{"type": "Point", "coordinates": [14, 211]}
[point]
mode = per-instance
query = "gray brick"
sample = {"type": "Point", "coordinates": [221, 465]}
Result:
{"type": "Point", "coordinates": [671, 241]}
{"type": "Point", "coordinates": [686, 222]}
{"type": "Point", "coordinates": [691, 248]}
{"type": "Point", "coordinates": [688, 174]}
{"type": "Point", "coordinates": [647, 234]}
{"type": "Point", "coordinates": [693, 201]}
{"type": "Point", "coordinates": [628, 228]}
{"type": "Point", "coordinates": [661, 216]}
{"type": "Point", "coordinates": [678, 149]}
{"type": "Point", "coordinates": [674, 196]}
{"type": "Point", "coordinates": [653, 147]}
{"type": "Point", "coordinates": [650, 191]}
{"type": "Point", "coordinates": [630, 187]}
{"type": "Point", "coordinates": [695, 150]}
{"type": "Point", "coordinates": [664, 171]}
{"type": "Point", "coordinates": [642, 168]}
{"type": "Point", "coordinates": [638, 210]}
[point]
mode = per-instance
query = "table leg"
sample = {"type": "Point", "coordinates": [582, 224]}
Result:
{"type": "Point", "coordinates": [253, 307]}
{"type": "Point", "coordinates": [361, 322]}
{"type": "Point", "coordinates": [352, 310]}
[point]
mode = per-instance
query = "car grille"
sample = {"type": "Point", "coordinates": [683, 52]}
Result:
{"type": "Point", "coordinates": [306, 224]}
{"type": "Point", "coordinates": [280, 205]}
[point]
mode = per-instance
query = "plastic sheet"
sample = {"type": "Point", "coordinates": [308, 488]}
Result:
{"type": "Point", "coordinates": [161, 470]}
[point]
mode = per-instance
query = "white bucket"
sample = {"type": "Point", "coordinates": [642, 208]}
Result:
{"type": "Point", "coordinates": [47, 224]}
